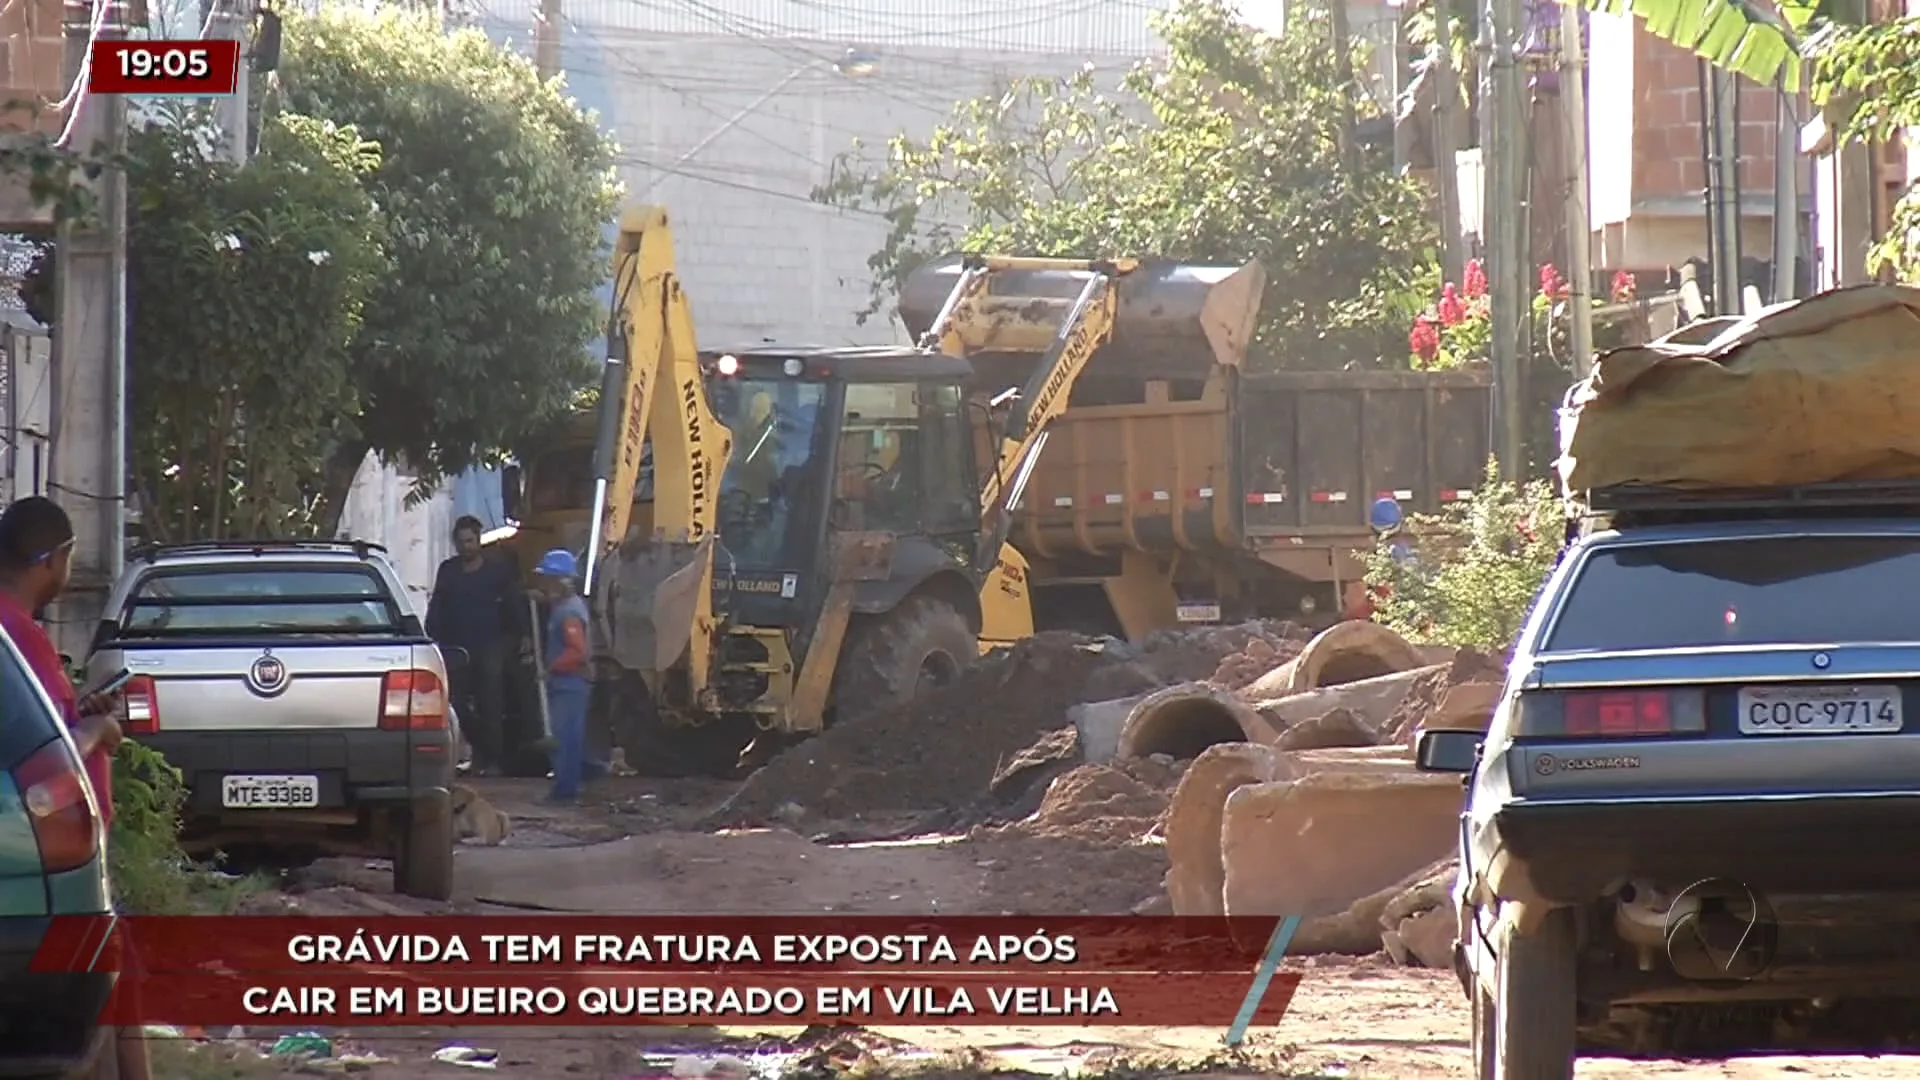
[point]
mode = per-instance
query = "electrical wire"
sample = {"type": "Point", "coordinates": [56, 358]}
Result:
{"type": "Point", "coordinates": [76, 95]}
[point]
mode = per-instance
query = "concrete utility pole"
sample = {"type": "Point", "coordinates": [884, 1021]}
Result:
{"type": "Point", "coordinates": [1720, 117]}
{"type": "Point", "coordinates": [1503, 223]}
{"type": "Point", "coordinates": [231, 21]}
{"type": "Point", "coordinates": [89, 437]}
{"type": "Point", "coordinates": [546, 39]}
{"type": "Point", "coordinates": [1786, 200]}
{"type": "Point", "coordinates": [1446, 110]}
{"type": "Point", "coordinates": [1573, 105]}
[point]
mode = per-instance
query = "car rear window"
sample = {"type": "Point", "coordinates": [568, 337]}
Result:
{"type": "Point", "coordinates": [1801, 590]}
{"type": "Point", "coordinates": [263, 599]}
{"type": "Point", "coordinates": [27, 719]}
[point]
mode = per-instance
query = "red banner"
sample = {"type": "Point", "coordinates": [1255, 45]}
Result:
{"type": "Point", "coordinates": [626, 999]}
{"type": "Point", "coordinates": [658, 944]}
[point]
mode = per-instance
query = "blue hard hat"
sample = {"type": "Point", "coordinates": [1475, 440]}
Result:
{"type": "Point", "coordinates": [1385, 514]}
{"type": "Point", "coordinates": [557, 563]}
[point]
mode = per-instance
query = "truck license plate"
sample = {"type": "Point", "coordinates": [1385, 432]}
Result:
{"type": "Point", "coordinates": [1819, 710]}
{"type": "Point", "coordinates": [270, 792]}
{"type": "Point", "coordinates": [1200, 612]}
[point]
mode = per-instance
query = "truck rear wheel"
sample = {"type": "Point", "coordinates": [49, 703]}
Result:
{"type": "Point", "coordinates": [423, 856]}
{"type": "Point", "coordinates": [921, 644]}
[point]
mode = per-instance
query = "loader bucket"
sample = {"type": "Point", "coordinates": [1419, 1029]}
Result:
{"type": "Point", "coordinates": [1176, 320]}
{"type": "Point", "coordinates": [656, 602]}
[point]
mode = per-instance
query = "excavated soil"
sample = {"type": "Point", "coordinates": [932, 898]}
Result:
{"type": "Point", "coordinates": [939, 750]}
{"type": "Point", "coordinates": [1469, 666]}
{"type": "Point", "coordinates": [957, 752]}
{"type": "Point", "coordinates": [1261, 654]}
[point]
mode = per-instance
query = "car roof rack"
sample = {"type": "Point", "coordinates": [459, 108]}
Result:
{"type": "Point", "coordinates": [360, 548]}
{"type": "Point", "coordinates": [1639, 499]}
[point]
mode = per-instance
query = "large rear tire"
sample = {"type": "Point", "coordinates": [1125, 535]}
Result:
{"type": "Point", "coordinates": [1535, 1014]}
{"type": "Point", "coordinates": [921, 644]}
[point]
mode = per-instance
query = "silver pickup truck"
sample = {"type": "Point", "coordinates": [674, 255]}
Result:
{"type": "Point", "coordinates": [294, 687]}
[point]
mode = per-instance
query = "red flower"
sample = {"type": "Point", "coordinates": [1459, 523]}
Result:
{"type": "Point", "coordinates": [1451, 309]}
{"type": "Point", "coordinates": [1623, 286]}
{"type": "Point", "coordinates": [1551, 285]}
{"type": "Point", "coordinates": [1476, 278]}
{"type": "Point", "coordinates": [1424, 338]}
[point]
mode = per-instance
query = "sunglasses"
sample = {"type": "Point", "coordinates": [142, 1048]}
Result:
{"type": "Point", "coordinates": [49, 556]}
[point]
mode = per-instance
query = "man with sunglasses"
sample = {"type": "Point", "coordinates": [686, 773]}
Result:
{"type": "Point", "coordinates": [36, 560]}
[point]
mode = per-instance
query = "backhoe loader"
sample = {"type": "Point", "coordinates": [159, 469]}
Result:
{"type": "Point", "coordinates": [817, 536]}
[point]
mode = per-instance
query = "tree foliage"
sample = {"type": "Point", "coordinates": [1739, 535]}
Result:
{"type": "Point", "coordinates": [493, 188]}
{"type": "Point", "coordinates": [1474, 569]}
{"type": "Point", "coordinates": [246, 286]}
{"type": "Point", "coordinates": [1236, 146]}
{"type": "Point", "coordinates": [1868, 79]}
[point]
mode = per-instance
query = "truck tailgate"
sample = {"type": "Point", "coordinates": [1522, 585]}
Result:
{"type": "Point", "coordinates": [209, 687]}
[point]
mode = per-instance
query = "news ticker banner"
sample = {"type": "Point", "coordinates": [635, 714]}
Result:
{"type": "Point", "coordinates": [635, 970]}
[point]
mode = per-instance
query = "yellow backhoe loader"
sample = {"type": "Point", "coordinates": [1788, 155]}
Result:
{"type": "Point", "coordinates": [816, 536]}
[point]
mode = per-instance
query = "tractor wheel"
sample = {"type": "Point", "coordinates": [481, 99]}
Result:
{"type": "Point", "coordinates": [921, 644]}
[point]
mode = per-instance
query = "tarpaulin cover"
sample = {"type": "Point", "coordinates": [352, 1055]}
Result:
{"type": "Point", "coordinates": [1823, 390]}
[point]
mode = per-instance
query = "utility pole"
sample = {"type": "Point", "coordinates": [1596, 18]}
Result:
{"type": "Point", "coordinates": [1786, 199]}
{"type": "Point", "coordinates": [1720, 117]}
{"type": "Point", "coordinates": [231, 19]}
{"type": "Point", "coordinates": [1502, 222]}
{"type": "Point", "coordinates": [1446, 112]}
{"type": "Point", "coordinates": [88, 472]}
{"type": "Point", "coordinates": [546, 39]}
{"type": "Point", "coordinates": [1573, 105]}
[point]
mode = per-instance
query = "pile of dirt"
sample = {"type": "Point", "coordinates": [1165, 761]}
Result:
{"type": "Point", "coordinates": [1092, 846]}
{"type": "Point", "coordinates": [1469, 665]}
{"type": "Point", "coordinates": [941, 749]}
{"type": "Point", "coordinates": [1244, 667]}
{"type": "Point", "coordinates": [1167, 657]}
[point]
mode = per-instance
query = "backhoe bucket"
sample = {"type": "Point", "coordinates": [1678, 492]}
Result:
{"type": "Point", "coordinates": [656, 601]}
{"type": "Point", "coordinates": [1176, 321]}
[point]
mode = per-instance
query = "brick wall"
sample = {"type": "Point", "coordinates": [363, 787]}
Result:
{"type": "Point", "coordinates": [1667, 114]}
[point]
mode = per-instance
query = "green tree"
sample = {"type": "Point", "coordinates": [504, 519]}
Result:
{"type": "Point", "coordinates": [1234, 147]}
{"type": "Point", "coordinates": [1867, 78]}
{"type": "Point", "coordinates": [245, 287]}
{"type": "Point", "coordinates": [494, 188]}
{"type": "Point", "coordinates": [1476, 567]}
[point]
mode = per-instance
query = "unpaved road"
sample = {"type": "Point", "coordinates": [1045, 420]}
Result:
{"type": "Point", "coordinates": [635, 850]}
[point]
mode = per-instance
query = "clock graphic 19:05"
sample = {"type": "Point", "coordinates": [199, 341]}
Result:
{"type": "Point", "coordinates": [173, 68]}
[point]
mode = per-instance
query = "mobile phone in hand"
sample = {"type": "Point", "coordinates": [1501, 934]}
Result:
{"type": "Point", "coordinates": [118, 681]}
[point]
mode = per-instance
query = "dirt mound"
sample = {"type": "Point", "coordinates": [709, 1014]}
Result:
{"type": "Point", "coordinates": [942, 749]}
{"type": "Point", "coordinates": [1091, 847]}
{"type": "Point", "coordinates": [1469, 666]}
{"type": "Point", "coordinates": [1243, 667]}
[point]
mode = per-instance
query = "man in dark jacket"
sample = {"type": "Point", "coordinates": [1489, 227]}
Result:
{"type": "Point", "coordinates": [468, 611]}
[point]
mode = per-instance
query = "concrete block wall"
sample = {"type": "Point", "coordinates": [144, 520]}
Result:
{"type": "Point", "coordinates": [32, 64]}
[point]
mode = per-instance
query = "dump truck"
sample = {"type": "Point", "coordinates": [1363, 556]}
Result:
{"type": "Point", "coordinates": [1177, 487]}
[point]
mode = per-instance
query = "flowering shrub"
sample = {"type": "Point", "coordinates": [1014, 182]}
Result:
{"type": "Point", "coordinates": [1457, 329]}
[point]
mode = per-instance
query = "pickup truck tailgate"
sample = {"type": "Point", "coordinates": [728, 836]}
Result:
{"type": "Point", "coordinates": [330, 686]}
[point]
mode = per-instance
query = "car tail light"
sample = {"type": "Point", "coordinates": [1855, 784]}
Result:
{"type": "Point", "coordinates": [413, 701]}
{"type": "Point", "coordinates": [1613, 714]}
{"type": "Point", "coordinates": [143, 706]}
{"type": "Point", "coordinates": [54, 789]}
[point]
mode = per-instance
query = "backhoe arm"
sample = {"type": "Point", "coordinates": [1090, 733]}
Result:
{"type": "Point", "coordinates": [1088, 325]}
{"type": "Point", "coordinates": [651, 345]}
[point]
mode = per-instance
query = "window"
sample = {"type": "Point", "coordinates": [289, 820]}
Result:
{"type": "Point", "coordinates": [268, 598]}
{"type": "Point", "coordinates": [881, 467]}
{"type": "Point", "coordinates": [767, 497]}
{"type": "Point", "coordinates": [561, 480]}
{"type": "Point", "coordinates": [946, 429]}
{"type": "Point", "coordinates": [1801, 590]}
{"type": "Point", "coordinates": [30, 718]}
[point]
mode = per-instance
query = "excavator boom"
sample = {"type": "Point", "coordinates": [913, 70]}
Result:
{"type": "Point", "coordinates": [653, 390]}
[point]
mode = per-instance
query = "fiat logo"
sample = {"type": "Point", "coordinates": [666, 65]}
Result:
{"type": "Point", "coordinates": [267, 676]}
{"type": "Point", "coordinates": [1821, 660]}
